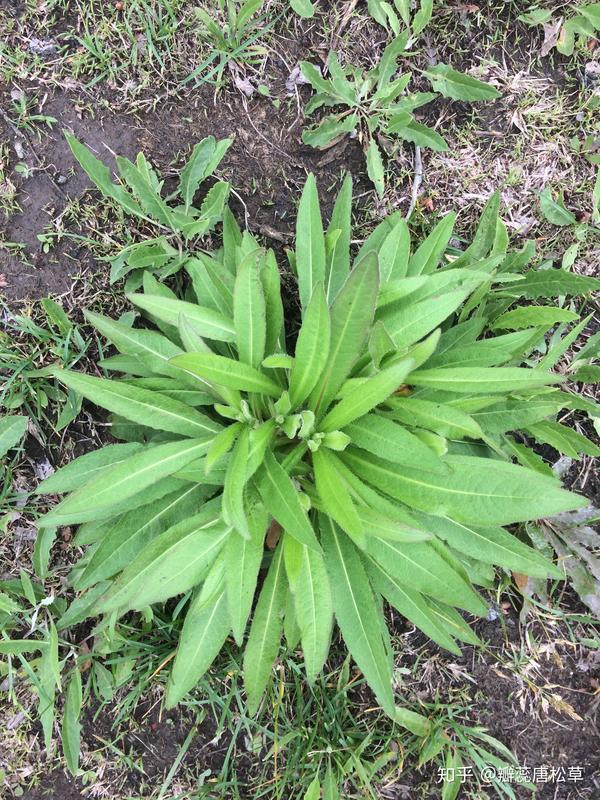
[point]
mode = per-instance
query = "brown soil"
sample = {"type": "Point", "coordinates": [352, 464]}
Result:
{"type": "Point", "coordinates": [540, 734]}
{"type": "Point", "coordinates": [267, 165]}
{"type": "Point", "coordinates": [547, 714]}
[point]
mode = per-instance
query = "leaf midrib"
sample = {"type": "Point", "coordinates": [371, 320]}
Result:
{"type": "Point", "coordinates": [126, 478]}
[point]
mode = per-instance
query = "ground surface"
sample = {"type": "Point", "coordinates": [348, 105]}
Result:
{"type": "Point", "coordinates": [533, 686]}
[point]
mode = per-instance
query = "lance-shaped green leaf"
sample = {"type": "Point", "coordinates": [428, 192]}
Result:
{"type": "Point", "coordinates": [532, 316]}
{"type": "Point", "coordinates": [310, 242]}
{"type": "Point", "coordinates": [458, 86]}
{"type": "Point", "coordinates": [243, 558]}
{"type": "Point", "coordinates": [328, 129]}
{"type": "Point", "coordinates": [564, 439]}
{"type": "Point", "coordinates": [364, 494]}
{"type": "Point", "coordinates": [197, 472]}
{"type": "Point", "coordinates": [88, 466]}
{"type": "Point", "coordinates": [558, 348]}
{"type": "Point", "coordinates": [338, 261]}
{"type": "Point", "coordinates": [422, 17]}
{"type": "Point", "coordinates": [234, 512]}
{"type": "Point", "coordinates": [474, 356]}
{"type": "Point", "coordinates": [129, 533]}
{"type": "Point", "coordinates": [205, 628]}
{"type": "Point", "coordinates": [249, 311]}
{"type": "Point", "coordinates": [221, 444]}
{"type": "Point", "coordinates": [16, 647]}
{"type": "Point", "coordinates": [375, 168]}
{"type": "Point", "coordinates": [191, 339]}
{"type": "Point", "coordinates": [146, 190]}
{"type": "Point", "coordinates": [461, 335]}
{"type": "Point", "coordinates": [419, 567]}
{"type": "Point", "coordinates": [400, 119]}
{"type": "Point", "coordinates": [12, 430]}
{"type": "Point", "coordinates": [47, 680]}
{"type": "Point", "coordinates": [171, 564]}
{"type": "Point", "coordinates": [482, 491]}
{"type": "Point", "coordinates": [71, 726]}
{"type": "Point", "coordinates": [213, 286]}
{"type": "Point", "coordinates": [335, 497]}
{"type": "Point", "coordinates": [387, 439]}
{"type": "Point", "coordinates": [124, 480]}
{"type": "Point", "coordinates": [280, 497]}
{"type": "Point", "coordinates": [483, 380]}
{"type": "Point", "coordinates": [193, 343]}
{"type": "Point", "coordinates": [171, 388]}
{"type": "Point", "coordinates": [414, 320]}
{"type": "Point", "coordinates": [291, 629]}
{"type": "Point", "coordinates": [227, 372]}
{"type": "Point", "coordinates": [492, 546]}
{"type": "Point", "coordinates": [420, 134]}
{"type": "Point", "coordinates": [411, 605]}
{"type": "Point", "coordinates": [388, 64]}
{"type": "Point", "coordinates": [365, 397]}
{"type": "Point", "coordinates": [304, 8]}
{"type": "Point", "coordinates": [394, 253]}
{"type": "Point", "coordinates": [153, 349]}
{"type": "Point", "coordinates": [265, 632]}
{"type": "Point", "coordinates": [95, 530]}
{"type": "Point", "coordinates": [100, 175]}
{"type": "Point", "coordinates": [376, 238]}
{"type": "Point", "coordinates": [312, 348]}
{"type": "Point", "coordinates": [151, 285]}
{"type": "Point", "coordinates": [444, 420]}
{"type": "Point", "coordinates": [446, 280]}
{"type": "Point", "coordinates": [313, 75]}
{"type": "Point", "coordinates": [554, 210]}
{"type": "Point", "coordinates": [512, 415]}
{"type": "Point", "coordinates": [525, 456]}
{"type": "Point", "coordinates": [41, 553]}
{"type": "Point", "coordinates": [392, 526]}
{"type": "Point", "coordinates": [292, 557]}
{"type": "Point", "coordinates": [82, 607]}
{"type": "Point", "coordinates": [452, 622]}
{"type": "Point", "coordinates": [205, 158]}
{"type": "Point", "coordinates": [205, 321]}
{"type": "Point", "coordinates": [485, 235]}
{"type": "Point", "coordinates": [591, 12]}
{"type": "Point", "coordinates": [351, 317]}
{"type": "Point", "coordinates": [211, 210]}
{"type": "Point", "coordinates": [271, 283]}
{"type": "Point", "coordinates": [427, 256]}
{"type": "Point", "coordinates": [260, 439]}
{"type": "Point", "coordinates": [278, 361]}
{"type": "Point", "coordinates": [8, 605]}
{"type": "Point", "coordinates": [380, 344]}
{"type": "Point", "coordinates": [356, 612]}
{"type": "Point", "coordinates": [314, 609]}
{"type": "Point", "coordinates": [555, 282]}
{"type": "Point", "coordinates": [131, 402]}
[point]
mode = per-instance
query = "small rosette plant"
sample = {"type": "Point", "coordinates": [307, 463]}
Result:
{"type": "Point", "coordinates": [278, 492]}
{"type": "Point", "coordinates": [377, 106]}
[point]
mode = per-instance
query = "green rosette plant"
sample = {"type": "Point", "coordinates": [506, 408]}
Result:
{"type": "Point", "coordinates": [377, 106]}
{"type": "Point", "coordinates": [138, 193]}
{"type": "Point", "coordinates": [283, 490]}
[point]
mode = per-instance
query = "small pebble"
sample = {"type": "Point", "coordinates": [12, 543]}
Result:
{"type": "Point", "coordinates": [42, 47]}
